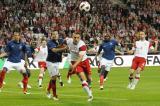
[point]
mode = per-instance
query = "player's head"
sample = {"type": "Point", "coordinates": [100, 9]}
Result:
{"type": "Point", "coordinates": [142, 35]}
{"type": "Point", "coordinates": [76, 37]}
{"type": "Point", "coordinates": [54, 35]}
{"type": "Point", "coordinates": [106, 36]}
{"type": "Point", "coordinates": [43, 42]}
{"type": "Point", "coordinates": [16, 36]}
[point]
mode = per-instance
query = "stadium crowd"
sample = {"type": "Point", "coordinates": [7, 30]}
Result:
{"type": "Point", "coordinates": [123, 21]}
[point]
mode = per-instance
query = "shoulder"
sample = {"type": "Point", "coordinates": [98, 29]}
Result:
{"type": "Point", "coordinates": [114, 41]}
{"type": "Point", "coordinates": [10, 42]}
{"type": "Point", "coordinates": [82, 46]}
{"type": "Point", "coordinates": [81, 43]}
{"type": "Point", "coordinates": [50, 42]}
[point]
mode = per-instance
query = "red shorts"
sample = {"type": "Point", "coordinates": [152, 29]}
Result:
{"type": "Point", "coordinates": [83, 66]}
{"type": "Point", "coordinates": [42, 64]}
{"type": "Point", "coordinates": [138, 62]}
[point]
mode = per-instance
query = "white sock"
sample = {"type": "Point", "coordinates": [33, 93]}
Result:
{"type": "Point", "coordinates": [86, 88]}
{"type": "Point", "coordinates": [136, 79]}
{"type": "Point", "coordinates": [40, 79]}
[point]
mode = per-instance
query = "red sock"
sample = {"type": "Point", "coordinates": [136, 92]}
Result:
{"type": "Point", "coordinates": [2, 76]}
{"type": "Point", "coordinates": [101, 80]}
{"type": "Point", "coordinates": [49, 86]}
{"type": "Point", "coordinates": [54, 88]}
{"type": "Point", "coordinates": [25, 82]}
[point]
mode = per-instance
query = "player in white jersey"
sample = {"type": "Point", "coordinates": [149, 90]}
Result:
{"type": "Point", "coordinates": [80, 63]}
{"type": "Point", "coordinates": [138, 63]}
{"type": "Point", "coordinates": [40, 57]}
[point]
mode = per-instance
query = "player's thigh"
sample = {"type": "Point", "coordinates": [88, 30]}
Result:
{"type": "Point", "coordinates": [82, 76]}
{"type": "Point", "coordinates": [53, 68]}
{"type": "Point", "coordinates": [87, 67]}
{"type": "Point", "coordinates": [107, 63]}
{"type": "Point", "coordinates": [141, 64]}
{"type": "Point", "coordinates": [8, 65]}
{"type": "Point", "coordinates": [20, 67]}
{"type": "Point", "coordinates": [79, 69]}
{"type": "Point", "coordinates": [134, 65]}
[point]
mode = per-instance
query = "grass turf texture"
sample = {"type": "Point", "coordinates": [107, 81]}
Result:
{"type": "Point", "coordinates": [115, 93]}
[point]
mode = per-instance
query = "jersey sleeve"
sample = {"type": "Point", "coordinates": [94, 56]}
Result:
{"type": "Point", "coordinates": [51, 45]}
{"type": "Point", "coordinates": [82, 49]}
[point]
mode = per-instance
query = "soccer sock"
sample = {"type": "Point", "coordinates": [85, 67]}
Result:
{"type": "Point", "coordinates": [40, 78]}
{"type": "Point", "coordinates": [136, 79]}
{"type": "Point", "coordinates": [101, 80]}
{"type": "Point", "coordinates": [2, 76]}
{"type": "Point", "coordinates": [25, 82]}
{"type": "Point", "coordinates": [59, 77]}
{"type": "Point", "coordinates": [102, 75]}
{"type": "Point", "coordinates": [86, 88]}
{"type": "Point", "coordinates": [49, 86]}
{"type": "Point", "coordinates": [54, 88]}
{"type": "Point", "coordinates": [131, 78]}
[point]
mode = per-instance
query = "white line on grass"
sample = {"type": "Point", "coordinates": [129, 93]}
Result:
{"type": "Point", "coordinates": [77, 96]}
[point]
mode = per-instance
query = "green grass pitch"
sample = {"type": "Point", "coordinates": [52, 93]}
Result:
{"type": "Point", "coordinates": [115, 93]}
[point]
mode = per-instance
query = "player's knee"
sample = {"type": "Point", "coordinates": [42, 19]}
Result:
{"type": "Point", "coordinates": [103, 67]}
{"type": "Point", "coordinates": [53, 77]}
{"type": "Point", "coordinates": [5, 69]}
{"type": "Point", "coordinates": [139, 70]}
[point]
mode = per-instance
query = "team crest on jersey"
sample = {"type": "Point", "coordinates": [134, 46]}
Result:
{"type": "Point", "coordinates": [20, 47]}
{"type": "Point", "coordinates": [110, 43]}
{"type": "Point", "coordinates": [12, 46]}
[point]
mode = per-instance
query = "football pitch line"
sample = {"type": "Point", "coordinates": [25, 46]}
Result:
{"type": "Point", "coordinates": [75, 96]}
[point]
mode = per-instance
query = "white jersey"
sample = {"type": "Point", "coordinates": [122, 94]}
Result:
{"type": "Point", "coordinates": [75, 50]}
{"type": "Point", "coordinates": [142, 48]}
{"type": "Point", "coordinates": [42, 53]}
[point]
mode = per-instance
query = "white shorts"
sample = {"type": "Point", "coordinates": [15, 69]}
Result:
{"type": "Point", "coordinates": [106, 63]}
{"type": "Point", "coordinates": [17, 66]}
{"type": "Point", "coordinates": [53, 68]}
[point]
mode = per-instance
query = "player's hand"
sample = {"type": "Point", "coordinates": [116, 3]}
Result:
{"type": "Point", "coordinates": [73, 67]}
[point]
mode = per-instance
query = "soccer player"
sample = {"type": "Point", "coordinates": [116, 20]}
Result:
{"type": "Point", "coordinates": [40, 57]}
{"type": "Point", "coordinates": [80, 63]}
{"type": "Point", "coordinates": [53, 59]}
{"type": "Point", "coordinates": [108, 46]}
{"type": "Point", "coordinates": [138, 63]}
{"type": "Point", "coordinates": [13, 51]}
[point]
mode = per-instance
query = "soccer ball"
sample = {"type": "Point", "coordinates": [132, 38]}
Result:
{"type": "Point", "coordinates": [84, 6]}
